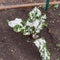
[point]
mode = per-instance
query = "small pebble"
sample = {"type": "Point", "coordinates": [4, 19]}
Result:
{"type": "Point", "coordinates": [57, 21]}
{"type": "Point", "coordinates": [52, 21]}
{"type": "Point", "coordinates": [57, 59]}
{"type": "Point", "coordinates": [1, 58]}
{"type": "Point", "coordinates": [13, 51]}
{"type": "Point", "coordinates": [49, 31]}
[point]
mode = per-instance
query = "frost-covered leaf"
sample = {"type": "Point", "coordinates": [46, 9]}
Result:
{"type": "Point", "coordinates": [29, 24]}
{"type": "Point", "coordinates": [35, 13]}
{"type": "Point", "coordinates": [15, 22]}
{"type": "Point", "coordinates": [41, 45]}
{"type": "Point", "coordinates": [44, 16]}
{"type": "Point", "coordinates": [26, 33]}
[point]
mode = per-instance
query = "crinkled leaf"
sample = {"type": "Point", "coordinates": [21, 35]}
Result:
{"type": "Point", "coordinates": [41, 45]}
{"type": "Point", "coordinates": [17, 28]}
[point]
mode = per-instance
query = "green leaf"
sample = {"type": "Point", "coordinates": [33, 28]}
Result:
{"type": "Point", "coordinates": [23, 23]}
{"type": "Point", "coordinates": [44, 25]}
{"type": "Point", "coordinates": [16, 28]}
{"type": "Point", "coordinates": [22, 30]}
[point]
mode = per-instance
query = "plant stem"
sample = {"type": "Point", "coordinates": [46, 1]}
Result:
{"type": "Point", "coordinates": [47, 4]}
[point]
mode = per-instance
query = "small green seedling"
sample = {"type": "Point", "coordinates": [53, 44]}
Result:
{"type": "Point", "coordinates": [58, 45]}
{"type": "Point", "coordinates": [58, 14]}
{"type": "Point", "coordinates": [56, 6]}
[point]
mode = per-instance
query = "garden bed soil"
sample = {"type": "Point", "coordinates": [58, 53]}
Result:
{"type": "Point", "coordinates": [14, 46]}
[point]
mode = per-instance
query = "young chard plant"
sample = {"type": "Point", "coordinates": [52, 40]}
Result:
{"type": "Point", "coordinates": [34, 24]}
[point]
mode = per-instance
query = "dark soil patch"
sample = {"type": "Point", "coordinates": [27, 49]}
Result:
{"type": "Point", "coordinates": [14, 46]}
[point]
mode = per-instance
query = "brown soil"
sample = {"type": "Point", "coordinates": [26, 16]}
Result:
{"type": "Point", "coordinates": [14, 46]}
{"type": "Point", "coordinates": [54, 23]}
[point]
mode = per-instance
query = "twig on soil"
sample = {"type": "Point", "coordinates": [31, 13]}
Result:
{"type": "Point", "coordinates": [26, 5]}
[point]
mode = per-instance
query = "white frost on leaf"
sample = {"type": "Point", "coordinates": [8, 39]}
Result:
{"type": "Point", "coordinates": [35, 12]}
{"type": "Point", "coordinates": [41, 45]}
{"type": "Point", "coordinates": [18, 30]}
{"type": "Point", "coordinates": [35, 23]}
{"type": "Point", "coordinates": [27, 33]}
{"type": "Point", "coordinates": [39, 28]}
{"type": "Point", "coordinates": [40, 42]}
{"type": "Point", "coordinates": [44, 16]}
{"type": "Point", "coordinates": [15, 22]}
{"type": "Point", "coordinates": [28, 24]}
{"type": "Point", "coordinates": [38, 11]}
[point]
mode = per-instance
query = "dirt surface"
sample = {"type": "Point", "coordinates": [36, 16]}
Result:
{"type": "Point", "coordinates": [14, 46]}
{"type": "Point", "coordinates": [54, 23]}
